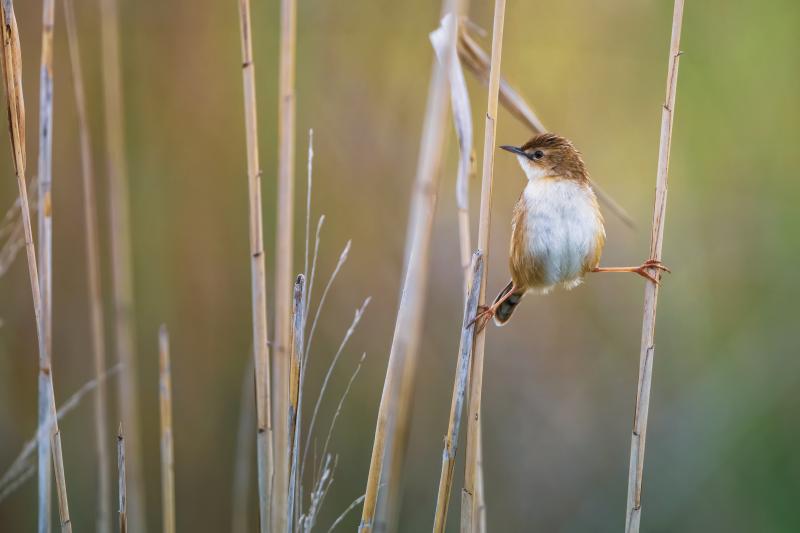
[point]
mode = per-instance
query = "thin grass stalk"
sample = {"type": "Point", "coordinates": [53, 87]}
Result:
{"type": "Point", "coordinates": [284, 249]}
{"type": "Point", "coordinates": [122, 483]}
{"type": "Point", "coordinates": [97, 324]}
{"type": "Point", "coordinates": [459, 392]}
{"type": "Point", "coordinates": [45, 213]}
{"type": "Point", "coordinates": [165, 411]}
{"type": "Point", "coordinates": [477, 61]}
{"type": "Point", "coordinates": [264, 441]}
{"type": "Point", "coordinates": [296, 371]}
{"type": "Point", "coordinates": [12, 81]}
{"type": "Point", "coordinates": [391, 430]}
{"type": "Point", "coordinates": [469, 516]}
{"type": "Point", "coordinates": [647, 352]}
{"type": "Point", "coordinates": [121, 254]}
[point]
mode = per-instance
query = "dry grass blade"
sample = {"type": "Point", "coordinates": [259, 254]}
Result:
{"type": "Point", "coordinates": [12, 80]}
{"type": "Point", "coordinates": [391, 429]}
{"type": "Point", "coordinates": [342, 516]}
{"type": "Point", "coordinates": [647, 352]}
{"type": "Point", "coordinates": [284, 250]}
{"type": "Point", "coordinates": [445, 43]}
{"type": "Point", "coordinates": [17, 482]}
{"type": "Point", "coordinates": [165, 410]}
{"type": "Point", "coordinates": [45, 212]}
{"type": "Point", "coordinates": [477, 61]}
{"type": "Point", "coordinates": [356, 319]}
{"type": "Point", "coordinates": [21, 462]}
{"type": "Point", "coordinates": [93, 274]}
{"type": "Point", "coordinates": [265, 455]}
{"type": "Point", "coordinates": [471, 501]}
{"type": "Point", "coordinates": [459, 392]}
{"type": "Point", "coordinates": [122, 484]}
{"type": "Point", "coordinates": [121, 254]}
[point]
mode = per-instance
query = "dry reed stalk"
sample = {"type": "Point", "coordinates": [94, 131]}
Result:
{"type": "Point", "coordinates": [122, 484]}
{"type": "Point", "coordinates": [647, 352]}
{"type": "Point", "coordinates": [45, 213]}
{"type": "Point", "coordinates": [12, 81]}
{"type": "Point", "coordinates": [165, 410]}
{"type": "Point", "coordinates": [93, 274]}
{"type": "Point", "coordinates": [477, 61]}
{"type": "Point", "coordinates": [121, 252]}
{"type": "Point", "coordinates": [459, 391]}
{"type": "Point", "coordinates": [471, 502]}
{"type": "Point", "coordinates": [258, 277]}
{"type": "Point", "coordinates": [391, 431]}
{"type": "Point", "coordinates": [294, 416]}
{"type": "Point", "coordinates": [284, 251]}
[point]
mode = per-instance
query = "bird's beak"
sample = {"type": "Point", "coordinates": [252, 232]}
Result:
{"type": "Point", "coordinates": [514, 150]}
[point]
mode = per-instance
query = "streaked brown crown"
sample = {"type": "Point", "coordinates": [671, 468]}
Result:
{"type": "Point", "coordinates": [560, 155]}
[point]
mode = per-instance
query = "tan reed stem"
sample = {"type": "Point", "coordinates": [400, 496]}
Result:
{"type": "Point", "coordinates": [647, 352]}
{"type": "Point", "coordinates": [391, 430]}
{"type": "Point", "coordinates": [258, 276]}
{"type": "Point", "coordinates": [471, 502]}
{"type": "Point", "coordinates": [122, 483]}
{"type": "Point", "coordinates": [96, 319]}
{"type": "Point", "coordinates": [167, 453]}
{"type": "Point", "coordinates": [284, 253]}
{"type": "Point", "coordinates": [121, 252]}
{"type": "Point", "coordinates": [12, 80]}
{"type": "Point", "coordinates": [459, 392]}
{"type": "Point", "coordinates": [45, 213]}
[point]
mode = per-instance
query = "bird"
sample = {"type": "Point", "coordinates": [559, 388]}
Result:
{"type": "Point", "coordinates": [558, 232]}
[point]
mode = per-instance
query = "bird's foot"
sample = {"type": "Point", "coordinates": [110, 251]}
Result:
{"type": "Point", "coordinates": [485, 313]}
{"type": "Point", "coordinates": [644, 269]}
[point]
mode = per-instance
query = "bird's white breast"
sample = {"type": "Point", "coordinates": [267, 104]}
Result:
{"type": "Point", "coordinates": [562, 228]}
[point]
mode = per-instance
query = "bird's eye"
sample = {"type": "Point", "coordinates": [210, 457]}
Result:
{"type": "Point", "coordinates": [538, 154]}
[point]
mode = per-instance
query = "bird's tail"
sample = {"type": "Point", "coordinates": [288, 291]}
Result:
{"type": "Point", "coordinates": [506, 309]}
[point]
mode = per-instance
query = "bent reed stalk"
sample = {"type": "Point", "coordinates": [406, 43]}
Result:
{"type": "Point", "coordinates": [647, 351]}
{"type": "Point", "coordinates": [391, 429]}
{"type": "Point", "coordinates": [12, 80]}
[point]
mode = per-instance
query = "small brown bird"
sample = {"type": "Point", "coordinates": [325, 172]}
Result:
{"type": "Point", "coordinates": [557, 233]}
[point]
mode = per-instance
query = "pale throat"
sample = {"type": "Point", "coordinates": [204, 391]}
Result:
{"type": "Point", "coordinates": [533, 172]}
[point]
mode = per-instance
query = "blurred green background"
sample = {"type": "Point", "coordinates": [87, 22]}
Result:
{"type": "Point", "coordinates": [560, 379]}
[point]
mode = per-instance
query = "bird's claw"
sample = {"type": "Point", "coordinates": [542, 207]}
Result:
{"type": "Point", "coordinates": [643, 270]}
{"type": "Point", "coordinates": [481, 318]}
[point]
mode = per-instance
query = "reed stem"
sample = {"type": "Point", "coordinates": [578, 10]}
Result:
{"type": "Point", "coordinates": [647, 352]}
{"type": "Point", "coordinates": [472, 501]}
{"type": "Point", "coordinates": [265, 456]}
{"type": "Point", "coordinates": [122, 483]}
{"type": "Point", "coordinates": [165, 411]}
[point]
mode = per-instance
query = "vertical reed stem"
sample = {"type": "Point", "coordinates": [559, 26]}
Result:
{"type": "Point", "coordinates": [472, 502]}
{"type": "Point", "coordinates": [167, 454]}
{"type": "Point", "coordinates": [121, 262]}
{"type": "Point", "coordinates": [475, 277]}
{"type": "Point", "coordinates": [45, 213]}
{"type": "Point", "coordinates": [647, 351]}
{"type": "Point", "coordinates": [258, 276]}
{"type": "Point", "coordinates": [93, 275]}
{"type": "Point", "coordinates": [296, 375]}
{"type": "Point", "coordinates": [12, 81]}
{"type": "Point", "coordinates": [284, 251]}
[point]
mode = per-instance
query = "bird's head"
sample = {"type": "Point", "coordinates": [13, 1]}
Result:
{"type": "Point", "coordinates": [548, 155]}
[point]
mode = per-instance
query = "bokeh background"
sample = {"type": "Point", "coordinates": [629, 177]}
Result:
{"type": "Point", "coordinates": [560, 379]}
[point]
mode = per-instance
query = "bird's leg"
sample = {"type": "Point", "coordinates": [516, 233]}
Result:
{"type": "Point", "coordinates": [643, 269]}
{"type": "Point", "coordinates": [485, 313]}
